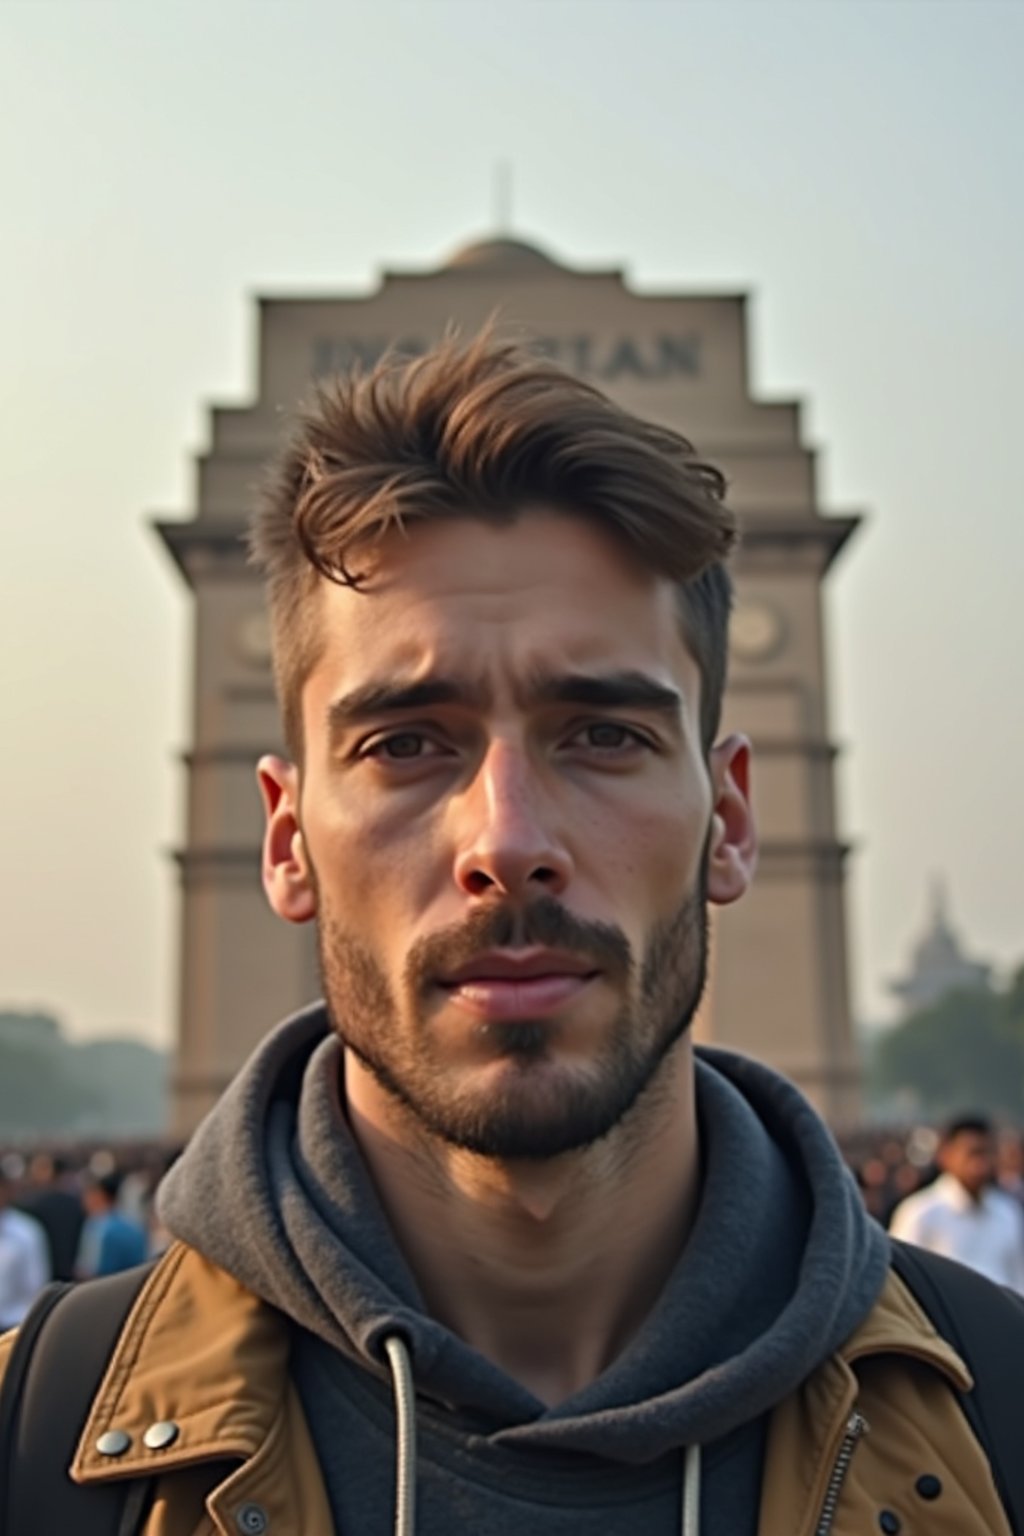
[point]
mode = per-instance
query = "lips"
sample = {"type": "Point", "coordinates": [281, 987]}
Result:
{"type": "Point", "coordinates": [519, 965]}
{"type": "Point", "coordinates": [526, 985]}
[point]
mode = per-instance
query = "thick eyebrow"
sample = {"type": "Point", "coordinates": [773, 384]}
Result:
{"type": "Point", "coordinates": [393, 698]}
{"type": "Point", "coordinates": [611, 690]}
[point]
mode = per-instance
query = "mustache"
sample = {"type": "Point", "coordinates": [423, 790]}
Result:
{"type": "Point", "coordinates": [544, 923]}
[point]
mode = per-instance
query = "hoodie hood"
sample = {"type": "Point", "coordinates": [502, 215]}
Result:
{"type": "Point", "coordinates": [781, 1265]}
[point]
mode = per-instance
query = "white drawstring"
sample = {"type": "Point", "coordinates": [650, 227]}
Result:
{"type": "Point", "coordinates": [405, 1435]}
{"type": "Point", "coordinates": [691, 1491]}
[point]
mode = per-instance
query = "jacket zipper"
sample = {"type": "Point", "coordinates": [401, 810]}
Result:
{"type": "Point", "coordinates": [856, 1426]}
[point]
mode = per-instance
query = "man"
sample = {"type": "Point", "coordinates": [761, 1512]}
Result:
{"type": "Point", "coordinates": [56, 1203]}
{"type": "Point", "coordinates": [110, 1240]}
{"type": "Point", "coordinates": [480, 1243]}
{"type": "Point", "coordinates": [24, 1260]}
{"type": "Point", "coordinates": [964, 1214]}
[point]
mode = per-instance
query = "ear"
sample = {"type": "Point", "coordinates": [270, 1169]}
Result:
{"type": "Point", "coordinates": [732, 844]}
{"type": "Point", "coordinates": [287, 873]}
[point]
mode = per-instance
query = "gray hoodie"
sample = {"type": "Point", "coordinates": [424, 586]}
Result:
{"type": "Point", "coordinates": [781, 1265]}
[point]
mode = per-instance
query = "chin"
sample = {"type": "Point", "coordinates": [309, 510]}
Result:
{"type": "Point", "coordinates": [529, 1107]}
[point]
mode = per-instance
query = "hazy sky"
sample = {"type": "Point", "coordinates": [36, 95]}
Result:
{"type": "Point", "coordinates": [857, 167]}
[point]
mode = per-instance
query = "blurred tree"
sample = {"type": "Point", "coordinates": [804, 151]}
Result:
{"type": "Point", "coordinates": [39, 1090]}
{"type": "Point", "coordinates": [1013, 1004]}
{"type": "Point", "coordinates": [964, 1052]}
{"type": "Point", "coordinates": [50, 1086]}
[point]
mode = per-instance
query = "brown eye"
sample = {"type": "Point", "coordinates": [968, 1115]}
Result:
{"type": "Point", "coordinates": [609, 735]}
{"type": "Point", "coordinates": [404, 745]}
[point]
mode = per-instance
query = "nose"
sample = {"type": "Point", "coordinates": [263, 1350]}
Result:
{"type": "Point", "coordinates": [505, 839]}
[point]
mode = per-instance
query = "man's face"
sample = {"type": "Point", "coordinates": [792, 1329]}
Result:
{"type": "Point", "coordinates": [504, 828]}
{"type": "Point", "coordinates": [971, 1158]}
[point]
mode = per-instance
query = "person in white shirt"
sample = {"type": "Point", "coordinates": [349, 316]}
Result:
{"type": "Point", "coordinates": [964, 1214]}
{"type": "Point", "coordinates": [24, 1259]}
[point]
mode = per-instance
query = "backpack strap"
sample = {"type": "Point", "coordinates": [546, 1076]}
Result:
{"type": "Point", "coordinates": [985, 1324]}
{"type": "Point", "coordinates": [57, 1362]}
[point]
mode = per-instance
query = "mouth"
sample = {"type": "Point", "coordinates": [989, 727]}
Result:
{"type": "Point", "coordinates": [527, 984]}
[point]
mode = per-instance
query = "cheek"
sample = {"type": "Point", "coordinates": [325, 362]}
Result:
{"type": "Point", "coordinates": [376, 867]}
{"type": "Point", "coordinates": [650, 848]}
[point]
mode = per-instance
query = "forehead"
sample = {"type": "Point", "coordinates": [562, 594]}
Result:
{"type": "Point", "coordinates": [973, 1143]}
{"type": "Point", "coordinates": [461, 595]}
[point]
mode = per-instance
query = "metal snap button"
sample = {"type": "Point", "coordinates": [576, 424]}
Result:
{"type": "Point", "coordinates": [929, 1486]}
{"type": "Point", "coordinates": [160, 1435]}
{"type": "Point", "coordinates": [252, 1520]}
{"type": "Point", "coordinates": [890, 1522]}
{"type": "Point", "coordinates": [114, 1443]}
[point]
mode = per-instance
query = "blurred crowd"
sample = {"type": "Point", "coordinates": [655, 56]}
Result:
{"type": "Point", "coordinates": [73, 1215]}
{"type": "Point", "coordinates": [78, 1212]}
{"type": "Point", "coordinates": [889, 1166]}
{"type": "Point", "coordinates": [958, 1192]}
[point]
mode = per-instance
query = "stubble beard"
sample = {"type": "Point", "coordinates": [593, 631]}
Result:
{"type": "Point", "coordinates": [532, 1112]}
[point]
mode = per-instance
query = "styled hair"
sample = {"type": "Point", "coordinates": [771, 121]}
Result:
{"type": "Point", "coordinates": [960, 1125]}
{"type": "Point", "coordinates": [109, 1185]}
{"type": "Point", "coordinates": [482, 429]}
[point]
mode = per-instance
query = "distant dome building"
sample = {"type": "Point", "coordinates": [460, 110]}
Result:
{"type": "Point", "coordinates": [505, 255]}
{"type": "Point", "coordinates": [939, 964]}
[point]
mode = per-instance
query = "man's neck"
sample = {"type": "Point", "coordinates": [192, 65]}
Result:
{"type": "Point", "coordinates": [547, 1268]}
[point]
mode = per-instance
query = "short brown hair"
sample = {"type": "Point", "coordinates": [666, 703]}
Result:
{"type": "Point", "coordinates": [482, 429]}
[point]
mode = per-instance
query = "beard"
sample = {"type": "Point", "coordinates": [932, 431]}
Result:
{"type": "Point", "coordinates": [538, 1107]}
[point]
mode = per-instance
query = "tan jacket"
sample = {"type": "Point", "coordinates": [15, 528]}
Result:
{"type": "Point", "coordinates": [200, 1352]}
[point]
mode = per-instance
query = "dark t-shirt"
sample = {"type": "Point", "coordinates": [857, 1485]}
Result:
{"type": "Point", "coordinates": [60, 1215]}
{"type": "Point", "coordinates": [466, 1486]}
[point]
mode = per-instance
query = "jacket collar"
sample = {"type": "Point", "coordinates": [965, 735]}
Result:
{"type": "Point", "coordinates": [203, 1354]}
{"type": "Point", "coordinates": [898, 1324]}
{"type": "Point", "coordinates": [197, 1352]}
